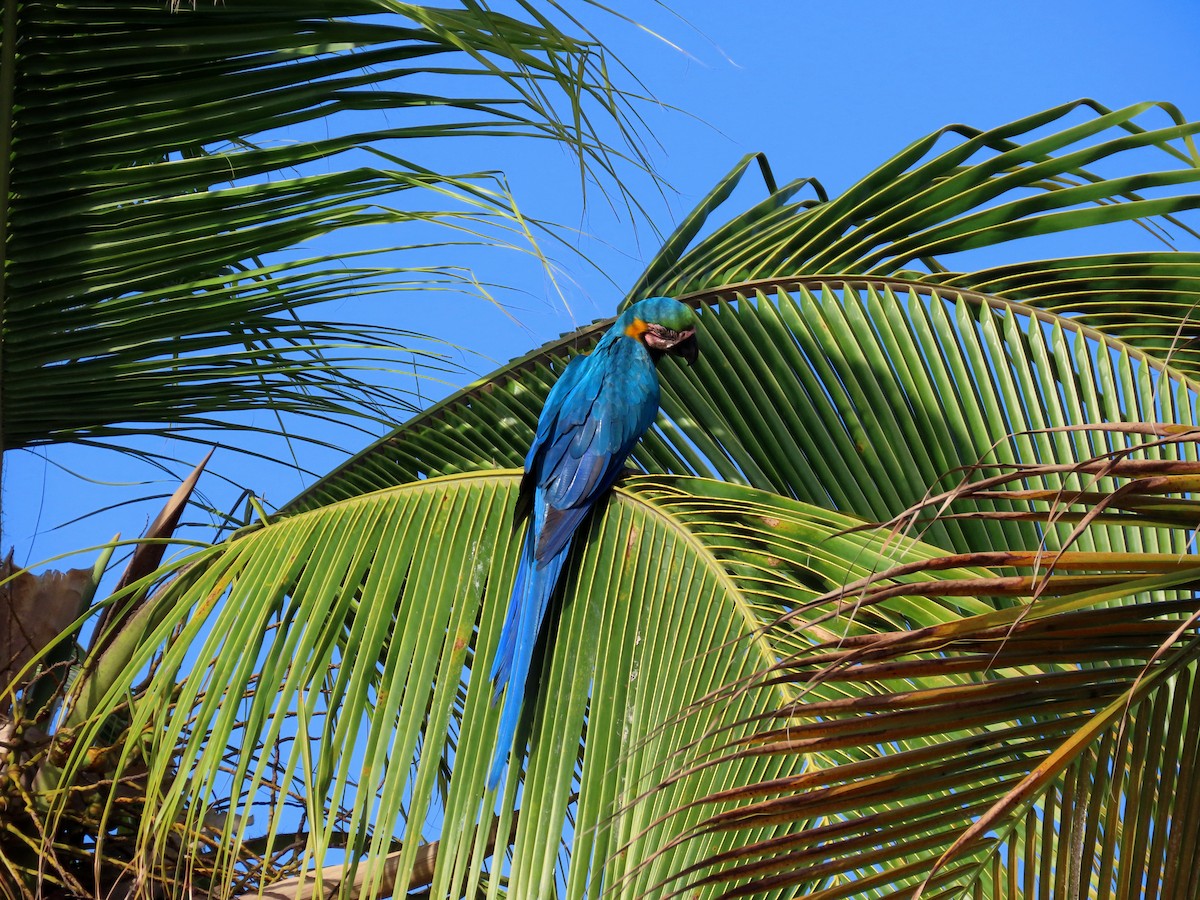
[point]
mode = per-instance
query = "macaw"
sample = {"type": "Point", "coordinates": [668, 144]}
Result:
{"type": "Point", "coordinates": [597, 410]}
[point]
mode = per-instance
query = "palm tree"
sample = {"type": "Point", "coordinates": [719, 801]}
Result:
{"type": "Point", "coordinates": [773, 697]}
{"type": "Point", "coordinates": [901, 604]}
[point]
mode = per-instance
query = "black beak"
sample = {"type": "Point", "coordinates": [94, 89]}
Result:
{"type": "Point", "coordinates": [688, 348]}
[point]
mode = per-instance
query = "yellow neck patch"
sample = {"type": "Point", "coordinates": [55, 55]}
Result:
{"type": "Point", "coordinates": [636, 329]}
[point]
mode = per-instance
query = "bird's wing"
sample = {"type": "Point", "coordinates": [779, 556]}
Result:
{"type": "Point", "coordinates": [595, 427]}
{"type": "Point", "coordinates": [556, 401]}
{"type": "Point", "coordinates": [542, 439]}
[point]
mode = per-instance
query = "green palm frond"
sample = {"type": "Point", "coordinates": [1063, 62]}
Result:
{"type": "Point", "coordinates": [932, 210]}
{"type": "Point", "coordinates": [1037, 750]}
{"type": "Point", "coordinates": [853, 394]}
{"type": "Point", "coordinates": [1146, 299]}
{"type": "Point", "coordinates": [365, 626]}
{"type": "Point", "coordinates": [1013, 183]}
{"type": "Point", "coordinates": [785, 238]}
{"type": "Point", "coordinates": [156, 205]}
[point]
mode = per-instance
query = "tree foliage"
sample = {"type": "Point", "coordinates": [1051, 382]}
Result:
{"type": "Point", "coordinates": [901, 602]}
{"type": "Point", "coordinates": [158, 208]}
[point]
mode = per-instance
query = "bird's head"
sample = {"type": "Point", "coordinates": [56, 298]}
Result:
{"type": "Point", "coordinates": [663, 325]}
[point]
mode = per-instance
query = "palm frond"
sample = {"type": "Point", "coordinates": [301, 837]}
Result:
{"type": "Point", "coordinates": [855, 394]}
{"type": "Point", "coordinates": [157, 206]}
{"type": "Point", "coordinates": [910, 216]}
{"type": "Point", "coordinates": [1038, 749]}
{"type": "Point", "coordinates": [326, 667]}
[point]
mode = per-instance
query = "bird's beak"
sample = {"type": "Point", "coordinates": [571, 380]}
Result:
{"type": "Point", "coordinates": [688, 348]}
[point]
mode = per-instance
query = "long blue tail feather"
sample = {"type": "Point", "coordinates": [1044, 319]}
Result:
{"type": "Point", "coordinates": [532, 590]}
{"type": "Point", "coordinates": [508, 632]}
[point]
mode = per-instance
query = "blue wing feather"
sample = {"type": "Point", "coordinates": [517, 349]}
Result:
{"type": "Point", "coordinates": [572, 374]}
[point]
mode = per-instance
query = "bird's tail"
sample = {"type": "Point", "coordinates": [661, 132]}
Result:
{"type": "Point", "coordinates": [522, 624]}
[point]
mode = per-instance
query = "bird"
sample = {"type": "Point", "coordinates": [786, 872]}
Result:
{"type": "Point", "coordinates": [593, 416]}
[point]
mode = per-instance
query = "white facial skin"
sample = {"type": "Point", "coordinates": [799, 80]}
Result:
{"type": "Point", "coordinates": [659, 337]}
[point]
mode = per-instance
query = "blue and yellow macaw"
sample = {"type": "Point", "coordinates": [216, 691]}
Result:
{"type": "Point", "coordinates": [597, 410]}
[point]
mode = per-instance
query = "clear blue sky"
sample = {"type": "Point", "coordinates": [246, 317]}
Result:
{"type": "Point", "coordinates": [825, 89]}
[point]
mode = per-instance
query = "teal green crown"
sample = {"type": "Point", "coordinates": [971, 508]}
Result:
{"type": "Point", "coordinates": [663, 311]}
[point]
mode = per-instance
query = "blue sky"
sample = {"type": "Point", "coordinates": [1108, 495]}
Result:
{"type": "Point", "coordinates": [827, 90]}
